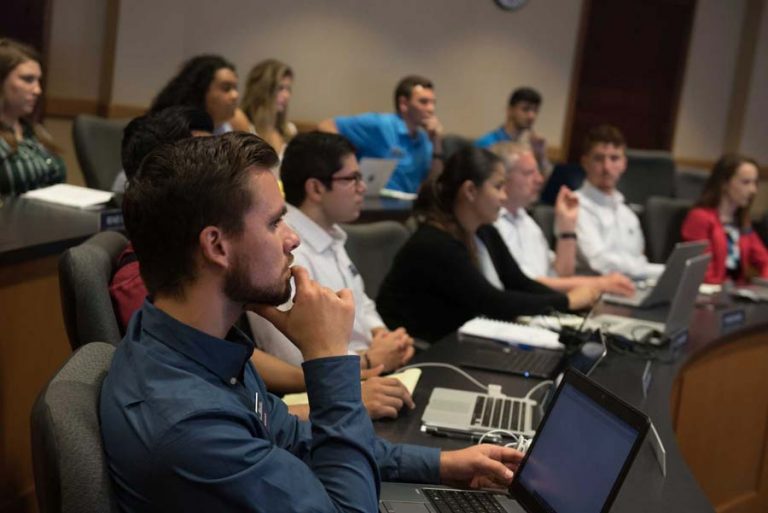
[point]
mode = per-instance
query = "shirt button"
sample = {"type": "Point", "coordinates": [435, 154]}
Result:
{"type": "Point", "coordinates": [233, 381]}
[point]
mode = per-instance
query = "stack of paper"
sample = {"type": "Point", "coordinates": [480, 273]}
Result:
{"type": "Point", "coordinates": [70, 195]}
{"type": "Point", "coordinates": [511, 333]}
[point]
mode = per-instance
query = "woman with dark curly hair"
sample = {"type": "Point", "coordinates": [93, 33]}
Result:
{"type": "Point", "coordinates": [28, 158]}
{"type": "Point", "coordinates": [207, 82]}
{"type": "Point", "coordinates": [721, 217]}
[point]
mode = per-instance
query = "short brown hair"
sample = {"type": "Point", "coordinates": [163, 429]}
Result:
{"type": "Point", "coordinates": [180, 189]}
{"type": "Point", "coordinates": [406, 85]}
{"type": "Point", "coordinates": [603, 134]}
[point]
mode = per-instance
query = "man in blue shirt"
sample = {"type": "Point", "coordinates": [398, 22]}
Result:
{"type": "Point", "coordinates": [412, 135]}
{"type": "Point", "coordinates": [187, 422]}
{"type": "Point", "coordinates": [522, 111]}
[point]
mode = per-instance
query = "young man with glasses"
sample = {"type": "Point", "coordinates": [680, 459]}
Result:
{"type": "Point", "coordinates": [323, 187]}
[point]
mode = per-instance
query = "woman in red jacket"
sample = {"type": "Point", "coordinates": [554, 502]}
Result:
{"type": "Point", "coordinates": [721, 217]}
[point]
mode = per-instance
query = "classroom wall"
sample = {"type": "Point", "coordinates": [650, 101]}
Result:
{"type": "Point", "coordinates": [347, 56]}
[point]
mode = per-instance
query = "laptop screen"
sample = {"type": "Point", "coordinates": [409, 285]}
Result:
{"type": "Point", "coordinates": [578, 455]}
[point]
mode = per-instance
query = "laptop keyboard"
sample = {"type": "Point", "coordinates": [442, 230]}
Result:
{"type": "Point", "coordinates": [498, 413]}
{"type": "Point", "coordinates": [457, 501]}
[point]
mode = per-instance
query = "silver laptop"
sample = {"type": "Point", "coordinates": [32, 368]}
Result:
{"type": "Point", "coordinates": [472, 415]}
{"type": "Point", "coordinates": [678, 316]}
{"type": "Point", "coordinates": [586, 427]}
{"type": "Point", "coordinates": [376, 173]}
{"type": "Point", "coordinates": [667, 283]}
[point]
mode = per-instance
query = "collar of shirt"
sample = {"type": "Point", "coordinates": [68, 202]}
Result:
{"type": "Point", "coordinates": [402, 129]}
{"type": "Point", "coordinates": [513, 217]}
{"type": "Point", "coordinates": [225, 358]}
{"type": "Point", "coordinates": [312, 233]}
{"type": "Point", "coordinates": [612, 200]}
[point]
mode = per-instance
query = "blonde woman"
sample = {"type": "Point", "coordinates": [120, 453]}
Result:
{"type": "Point", "coordinates": [264, 107]}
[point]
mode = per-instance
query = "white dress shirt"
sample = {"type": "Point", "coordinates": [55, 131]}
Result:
{"type": "Point", "coordinates": [322, 253]}
{"type": "Point", "coordinates": [526, 242]}
{"type": "Point", "coordinates": [610, 238]}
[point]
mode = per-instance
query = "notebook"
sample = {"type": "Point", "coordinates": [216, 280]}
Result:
{"type": "Point", "coordinates": [409, 378]}
{"type": "Point", "coordinates": [376, 173]}
{"type": "Point", "coordinates": [577, 462]}
{"type": "Point", "coordinates": [471, 414]}
{"type": "Point", "coordinates": [667, 283]}
{"type": "Point", "coordinates": [678, 316]}
{"type": "Point", "coordinates": [511, 333]}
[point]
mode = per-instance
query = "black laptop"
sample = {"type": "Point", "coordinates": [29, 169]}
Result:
{"type": "Point", "coordinates": [577, 462]}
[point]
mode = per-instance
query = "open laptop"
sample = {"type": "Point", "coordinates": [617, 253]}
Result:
{"type": "Point", "coordinates": [525, 361]}
{"type": "Point", "coordinates": [678, 316]}
{"type": "Point", "coordinates": [472, 414]}
{"type": "Point", "coordinates": [667, 283]}
{"type": "Point", "coordinates": [376, 173]}
{"type": "Point", "coordinates": [577, 462]}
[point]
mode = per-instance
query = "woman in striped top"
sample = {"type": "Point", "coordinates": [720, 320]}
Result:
{"type": "Point", "coordinates": [27, 155]}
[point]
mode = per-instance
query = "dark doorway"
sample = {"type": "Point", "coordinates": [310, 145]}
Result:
{"type": "Point", "coordinates": [630, 70]}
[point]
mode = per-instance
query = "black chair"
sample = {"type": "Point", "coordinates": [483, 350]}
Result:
{"type": "Point", "coordinates": [453, 143]}
{"type": "Point", "coordinates": [97, 145]}
{"type": "Point", "coordinates": [689, 183]}
{"type": "Point", "coordinates": [570, 175]}
{"type": "Point", "coordinates": [544, 215]}
{"type": "Point", "coordinates": [663, 221]}
{"type": "Point", "coordinates": [649, 173]}
{"type": "Point", "coordinates": [372, 247]}
{"type": "Point", "coordinates": [84, 275]}
{"type": "Point", "coordinates": [70, 469]}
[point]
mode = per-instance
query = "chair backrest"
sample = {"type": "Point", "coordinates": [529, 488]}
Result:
{"type": "Point", "coordinates": [97, 145]}
{"type": "Point", "coordinates": [649, 173]}
{"type": "Point", "coordinates": [570, 175]}
{"type": "Point", "coordinates": [663, 221]}
{"type": "Point", "coordinates": [453, 143]}
{"type": "Point", "coordinates": [84, 275]}
{"type": "Point", "coordinates": [689, 183]}
{"type": "Point", "coordinates": [71, 474]}
{"type": "Point", "coordinates": [544, 215]}
{"type": "Point", "coordinates": [372, 248]}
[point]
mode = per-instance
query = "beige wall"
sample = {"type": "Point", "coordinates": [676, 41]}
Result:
{"type": "Point", "coordinates": [348, 54]}
{"type": "Point", "coordinates": [754, 140]}
{"type": "Point", "coordinates": [74, 62]}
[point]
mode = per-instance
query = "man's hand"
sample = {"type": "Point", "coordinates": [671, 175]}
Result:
{"type": "Point", "coordinates": [393, 349]}
{"type": "Point", "coordinates": [616, 283]}
{"type": "Point", "coordinates": [582, 297]}
{"type": "Point", "coordinates": [384, 397]}
{"type": "Point", "coordinates": [320, 321]}
{"type": "Point", "coordinates": [479, 466]}
{"type": "Point", "coordinates": [433, 127]}
{"type": "Point", "coordinates": [566, 210]}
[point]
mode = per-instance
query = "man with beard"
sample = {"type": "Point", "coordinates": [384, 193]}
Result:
{"type": "Point", "coordinates": [522, 111]}
{"type": "Point", "coordinates": [609, 235]}
{"type": "Point", "coordinates": [412, 135]}
{"type": "Point", "coordinates": [186, 421]}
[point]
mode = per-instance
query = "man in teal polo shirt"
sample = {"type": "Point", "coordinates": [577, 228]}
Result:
{"type": "Point", "coordinates": [412, 134]}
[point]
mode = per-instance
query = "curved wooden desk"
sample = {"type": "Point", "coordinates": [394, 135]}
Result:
{"type": "Point", "coordinates": [674, 401]}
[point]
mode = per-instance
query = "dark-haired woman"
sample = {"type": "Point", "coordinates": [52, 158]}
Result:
{"type": "Point", "coordinates": [28, 158]}
{"type": "Point", "coordinates": [456, 266]}
{"type": "Point", "coordinates": [207, 82]}
{"type": "Point", "coordinates": [721, 217]}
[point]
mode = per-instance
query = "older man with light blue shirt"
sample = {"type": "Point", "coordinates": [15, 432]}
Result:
{"type": "Point", "coordinates": [411, 135]}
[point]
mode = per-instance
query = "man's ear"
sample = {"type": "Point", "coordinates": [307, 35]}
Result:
{"type": "Point", "coordinates": [402, 104]}
{"type": "Point", "coordinates": [214, 247]}
{"type": "Point", "coordinates": [314, 189]}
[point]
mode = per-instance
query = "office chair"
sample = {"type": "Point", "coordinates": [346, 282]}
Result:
{"type": "Point", "coordinates": [689, 183]}
{"type": "Point", "coordinates": [97, 145]}
{"type": "Point", "coordinates": [663, 221]}
{"type": "Point", "coordinates": [70, 469]}
{"type": "Point", "coordinates": [84, 275]}
{"type": "Point", "coordinates": [649, 173]}
{"type": "Point", "coordinates": [372, 248]}
{"type": "Point", "coordinates": [453, 143]}
{"type": "Point", "coordinates": [544, 215]}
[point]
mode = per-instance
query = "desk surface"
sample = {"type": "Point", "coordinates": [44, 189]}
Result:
{"type": "Point", "coordinates": [32, 229]}
{"type": "Point", "coordinates": [645, 489]}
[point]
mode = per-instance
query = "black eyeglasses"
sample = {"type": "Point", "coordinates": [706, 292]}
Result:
{"type": "Point", "coordinates": [356, 177]}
